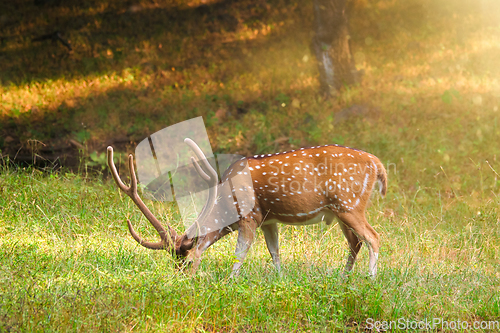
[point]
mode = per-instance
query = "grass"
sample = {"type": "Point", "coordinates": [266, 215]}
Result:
{"type": "Point", "coordinates": [67, 262]}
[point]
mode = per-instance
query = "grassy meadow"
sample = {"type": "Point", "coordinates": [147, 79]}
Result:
{"type": "Point", "coordinates": [432, 93]}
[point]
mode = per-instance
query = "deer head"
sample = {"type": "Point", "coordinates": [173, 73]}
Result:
{"type": "Point", "coordinates": [299, 187]}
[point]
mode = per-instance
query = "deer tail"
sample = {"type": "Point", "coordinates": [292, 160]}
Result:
{"type": "Point", "coordinates": [381, 178]}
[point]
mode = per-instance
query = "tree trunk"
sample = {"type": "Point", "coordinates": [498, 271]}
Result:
{"type": "Point", "coordinates": [331, 46]}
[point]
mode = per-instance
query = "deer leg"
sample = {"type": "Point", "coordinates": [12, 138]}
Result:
{"type": "Point", "coordinates": [354, 246]}
{"type": "Point", "coordinates": [374, 250]}
{"type": "Point", "coordinates": [358, 224]}
{"type": "Point", "coordinates": [272, 241]}
{"type": "Point", "coordinates": [246, 235]}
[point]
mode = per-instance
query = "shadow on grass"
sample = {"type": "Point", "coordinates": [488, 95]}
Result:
{"type": "Point", "coordinates": [104, 34]}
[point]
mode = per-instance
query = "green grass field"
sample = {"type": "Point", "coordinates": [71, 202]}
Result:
{"type": "Point", "coordinates": [432, 70]}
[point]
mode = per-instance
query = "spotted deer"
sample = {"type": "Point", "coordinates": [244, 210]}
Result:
{"type": "Point", "coordinates": [298, 187]}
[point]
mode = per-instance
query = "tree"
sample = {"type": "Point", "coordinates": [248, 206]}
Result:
{"type": "Point", "coordinates": [331, 46]}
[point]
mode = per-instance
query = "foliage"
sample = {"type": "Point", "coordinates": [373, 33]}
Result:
{"type": "Point", "coordinates": [99, 160]}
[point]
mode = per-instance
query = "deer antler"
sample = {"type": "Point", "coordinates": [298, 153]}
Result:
{"type": "Point", "coordinates": [167, 239]}
{"type": "Point", "coordinates": [211, 179]}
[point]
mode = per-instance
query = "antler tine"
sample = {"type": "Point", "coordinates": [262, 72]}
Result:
{"type": "Point", "coordinates": [131, 191]}
{"type": "Point", "coordinates": [200, 170]}
{"type": "Point", "coordinates": [211, 178]}
{"type": "Point", "coordinates": [212, 174]}
{"type": "Point", "coordinates": [140, 240]}
{"type": "Point", "coordinates": [133, 177]}
{"type": "Point", "coordinates": [114, 173]}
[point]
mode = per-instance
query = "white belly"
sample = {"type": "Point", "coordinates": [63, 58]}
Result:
{"type": "Point", "coordinates": [325, 215]}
